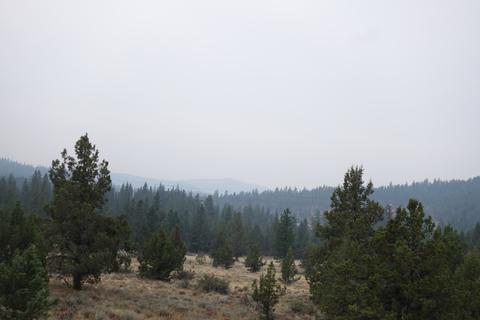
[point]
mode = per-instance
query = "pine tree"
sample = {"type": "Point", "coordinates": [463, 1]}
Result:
{"type": "Point", "coordinates": [267, 292]}
{"type": "Point", "coordinates": [288, 268]}
{"type": "Point", "coordinates": [180, 248]}
{"type": "Point", "coordinates": [23, 286]}
{"type": "Point", "coordinates": [222, 253]}
{"type": "Point", "coordinates": [302, 239]}
{"type": "Point", "coordinates": [200, 238]}
{"type": "Point", "coordinates": [237, 235]}
{"type": "Point", "coordinates": [417, 263]}
{"type": "Point", "coordinates": [342, 273]}
{"type": "Point", "coordinates": [17, 233]}
{"type": "Point", "coordinates": [253, 261]}
{"type": "Point", "coordinates": [79, 235]}
{"type": "Point", "coordinates": [284, 233]}
{"type": "Point", "coordinates": [159, 256]}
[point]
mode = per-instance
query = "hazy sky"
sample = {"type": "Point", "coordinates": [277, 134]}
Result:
{"type": "Point", "coordinates": [270, 92]}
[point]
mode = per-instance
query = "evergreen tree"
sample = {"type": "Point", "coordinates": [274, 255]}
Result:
{"type": "Point", "coordinates": [237, 235]}
{"type": "Point", "coordinates": [180, 248]}
{"type": "Point", "coordinates": [417, 262]}
{"type": "Point", "coordinates": [79, 235]}
{"type": "Point", "coordinates": [159, 256]}
{"type": "Point", "coordinates": [288, 268]}
{"type": "Point", "coordinates": [200, 238]}
{"type": "Point", "coordinates": [17, 233]}
{"type": "Point", "coordinates": [23, 286]}
{"type": "Point", "coordinates": [222, 253]}
{"type": "Point", "coordinates": [467, 279]}
{"type": "Point", "coordinates": [267, 292]}
{"type": "Point", "coordinates": [284, 233]}
{"type": "Point", "coordinates": [253, 261]}
{"type": "Point", "coordinates": [302, 239]}
{"type": "Point", "coordinates": [342, 276]}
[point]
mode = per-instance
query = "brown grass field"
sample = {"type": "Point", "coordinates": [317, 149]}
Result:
{"type": "Point", "coordinates": [127, 296]}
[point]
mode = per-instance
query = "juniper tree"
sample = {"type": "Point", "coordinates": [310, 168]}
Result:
{"type": "Point", "coordinates": [222, 253]}
{"type": "Point", "coordinates": [342, 271]}
{"type": "Point", "coordinates": [159, 255]}
{"type": "Point", "coordinates": [417, 262]}
{"type": "Point", "coordinates": [23, 279]}
{"type": "Point", "coordinates": [81, 238]}
{"type": "Point", "coordinates": [237, 235]}
{"type": "Point", "coordinates": [253, 261]}
{"type": "Point", "coordinates": [23, 286]}
{"type": "Point", "coordinates": [267, 292]}
{"type": "Point", "coordinates": [288, 268]}
{"type": "Point", "coordinates": [284, 233]}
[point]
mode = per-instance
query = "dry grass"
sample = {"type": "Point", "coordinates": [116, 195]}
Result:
{"type": "Point", "coordinates": [127, 296]}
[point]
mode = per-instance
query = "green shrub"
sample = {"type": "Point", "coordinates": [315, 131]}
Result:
{"type": "Point", "coordinates": [160, 256]}
{"type": "Point", "coordinates": [289, 270]}
{"type": "Point", "coordinates": [254, 261]}
{"type": "Point", "coordinates": [209, 283]}
{"type": "Point", "coordinates": [23, 287]}
{"type": "Point", "coordinates": [267, 292]}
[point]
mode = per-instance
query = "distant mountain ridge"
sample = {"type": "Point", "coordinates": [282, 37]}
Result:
{"type": "Point", "coordinates": [202, 186]}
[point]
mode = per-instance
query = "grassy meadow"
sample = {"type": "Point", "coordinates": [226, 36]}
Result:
{"type": "Point", "coordinates": [126, 296]}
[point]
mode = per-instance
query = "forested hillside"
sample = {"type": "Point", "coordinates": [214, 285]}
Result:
{"type": "Point", "coordinates": [455, 202]}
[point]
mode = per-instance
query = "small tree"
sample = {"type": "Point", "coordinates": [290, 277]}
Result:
{"type": "Point", "coordinates": [254, 261]}
{"type": "Point", "coordinates": [160, 256]}
{"type": "Point", "coordinates": [222, 253]}
{"type": "Point", "coordinates": [23, 286]}
{"type": "Point", "coordinates": [180, 248]}
{"type": "Point", "coordinates": [267, 292]}
{"type": "Point", "coordinates": [289, 269]}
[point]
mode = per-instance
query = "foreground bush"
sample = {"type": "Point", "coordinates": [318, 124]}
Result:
{"type": "Point", "coordinates": [23, 287]}
{"type": "Point", "coordinates": [209, 283]}
{"type": "Point", "coordinates": [267, 292]}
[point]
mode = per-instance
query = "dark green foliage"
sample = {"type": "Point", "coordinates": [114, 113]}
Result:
{"type": "Point", "coordinates": [237, 235]}
{"type": "Point", "coordinates": [342, 273]}
{"type": "Point", "coordinates": [210, 283]}
{"type": "Point", "coordinates": [160, 256]}
{"type": "Point", "coordinates": [454, 202]}
{"type": "Point", "coordinates": [83, 242]}
{"type": "Point", "coordinates": [222, 253]}
{"type": "Point", "coordinates": [467, 281]}
{"type": "Point", "coordinates": [288, 268]}
{"type": "Point", "coordinates": [284, 233]}
{"type": "Point", "coordinates": [200, 241]}
{"type": "Point", "coordinates": [17, 233]}
{"type": "Point", "coordinates": [253, 261]}
{"type": "Point", "coordinates": [23, 286]}
{"type": "Point", "coordinates": [180, 248]}
{"type": "Point", "coordinates": [267, 292]}
{"type": "Point", "coordinates": [416, 264]}
{"type": "Point", "coordinates": [302, 239]}
{"type": "Point", "coordinates": [407, 269]}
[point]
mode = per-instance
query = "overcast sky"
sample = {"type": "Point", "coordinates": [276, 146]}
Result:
{"type": "Point", "coordinates": [269, 92]}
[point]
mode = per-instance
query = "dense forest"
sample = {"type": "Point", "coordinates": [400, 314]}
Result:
{"type": "Point", "coordinates": [454, 202]}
